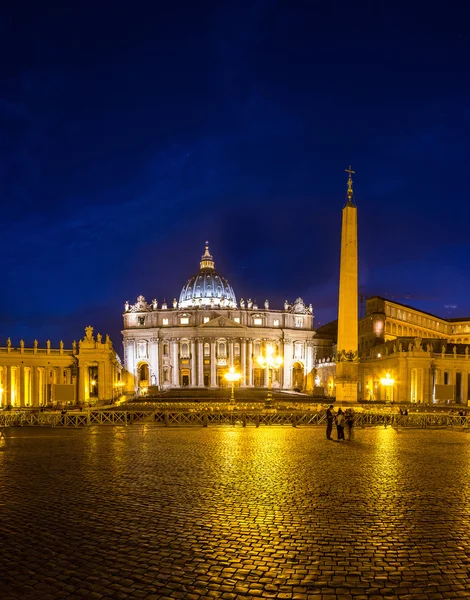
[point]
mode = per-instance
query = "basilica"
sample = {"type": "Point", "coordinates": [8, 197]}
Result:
{"type": "Point", "coordinates": [194, 341]}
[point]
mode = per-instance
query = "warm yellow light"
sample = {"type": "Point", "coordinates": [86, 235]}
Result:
{"type": "Point", "coordinates": [143, 390]}
{"type": "Point", "coordinates": [270, 361]}
{"type": "Point", "coordinates": [1, 390]}
{"type": "Point", "coordinates": [387, 380]}
{"type": "Point", "coordinates": [232, 375]}
{"type": "Point", "coordinates": [93, 382]}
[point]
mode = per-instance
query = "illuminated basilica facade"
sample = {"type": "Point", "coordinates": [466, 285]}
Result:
{"type": "Point", "coordinates": [198, 338]}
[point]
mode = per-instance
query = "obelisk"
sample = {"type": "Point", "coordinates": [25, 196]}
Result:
{"type": "Point", "coordinates": [347, 366]}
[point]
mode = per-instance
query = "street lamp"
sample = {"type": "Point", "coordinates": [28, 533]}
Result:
{"type": "Point", "coordinates": [232, 376]}
{"type": "Point", "coordinates": [270, 361]}
{"type": "Point", "coordinates": [387, 382]}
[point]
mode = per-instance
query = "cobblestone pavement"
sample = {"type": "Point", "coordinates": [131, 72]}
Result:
{"type": "Point", "coordinates": [141, 512]}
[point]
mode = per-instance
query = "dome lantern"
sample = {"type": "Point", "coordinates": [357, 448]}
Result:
{"type": "Point", "coordinates": [207, 262]}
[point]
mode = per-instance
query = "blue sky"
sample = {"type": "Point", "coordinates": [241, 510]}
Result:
{"type": "Point", "coordinates": [131, 134]}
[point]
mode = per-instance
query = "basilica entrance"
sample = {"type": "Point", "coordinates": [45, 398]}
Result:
{"type": "Point", "coordinates": [297, 376]}
{"type": "Point", "coordinates": [185, 377]}
{"type": "Point", "coordinates": [143, 375]}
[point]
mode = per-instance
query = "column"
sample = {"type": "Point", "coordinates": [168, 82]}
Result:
{"type": "Point", "coordinates": [130, 357]}
{"type": "Point", "coordinates": [200, 362]}
{"type": "Point", "coordinates": [161, 343]}
{"type": "Point", "coordinates": [8, 394]}
{"type": "Point", "coordinates": [243, 361]}
{"type": "Point", "coordinates": [213, 365]}
{"type": "Point", "coordinates": [176, 370]}
{"type": "Point", "coordinates": [309, 384]}
{"type": "Point", "coordinates": [102, 395]}
{"type": "Point", "coordinates": [193, 363]}
{"type": "Point", "coordinates": [266, 370]}
{"type": "Point", "coordinates": [20, 385]}
{"type": "Point", "coordinates": [40, 385]}
{"type": "Point", "coordinates": [250, 363]}
{"type": "Point", "coordinates": [230, 353]}
{"type": "Point", "coordinates": [154, 362]}
{"type": "Point", "coordinates": [2, 385]}
{"type": "Point", "coordinates": [287, 364]}
{"type": "Point", "coordinates": [27, 373]}
{"type": "Point", "coordinates": [464, 387]}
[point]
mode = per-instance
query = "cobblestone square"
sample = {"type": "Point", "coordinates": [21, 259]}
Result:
{"type": "Point", "coordinates": [228, 512]}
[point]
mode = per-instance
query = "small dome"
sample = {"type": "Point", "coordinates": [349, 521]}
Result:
{"type": "Point", "coordinates": [207, 288]}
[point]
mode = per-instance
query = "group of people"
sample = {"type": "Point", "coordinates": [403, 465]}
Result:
{"type": "Point", "coordinates": [344, 422]}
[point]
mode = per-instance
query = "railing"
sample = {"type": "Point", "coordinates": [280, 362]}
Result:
{"type": "Point", "coordinates": [256, 417]}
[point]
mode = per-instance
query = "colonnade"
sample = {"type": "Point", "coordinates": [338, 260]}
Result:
{"type": "Point", "coordinates": [22, 385]}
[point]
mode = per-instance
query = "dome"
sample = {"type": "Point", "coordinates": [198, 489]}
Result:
{"type": "Point", "coordinates": [207, 288]}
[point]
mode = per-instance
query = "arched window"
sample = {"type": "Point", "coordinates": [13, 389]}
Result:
{"type": "Point", "coordinates": [222, 349]}
{"type": "Point", "coordinates": [206, 350]}
{"type": "Point", "coordinates": [185, 349]}
{"type": "Point", "coordinates": [237, 349]}
{"type": "Point", "coordinates": [166, 349]}
{"type": "Point", "coordinates": [257, 349]}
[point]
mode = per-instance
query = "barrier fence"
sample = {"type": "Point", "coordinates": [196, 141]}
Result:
{"type": "Point", "coordinates": [204, 418]}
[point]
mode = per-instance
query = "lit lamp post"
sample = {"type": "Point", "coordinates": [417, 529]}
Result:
{"type": "Point", "coordinates": [387, 382]}
{"type": "Point", "coordinates": [270, 361]}
{"type": "Point", "coordinates": [232, 376]}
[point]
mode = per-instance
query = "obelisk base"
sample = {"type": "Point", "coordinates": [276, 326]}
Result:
{"type": "Point", "coordinates": [347, 378]}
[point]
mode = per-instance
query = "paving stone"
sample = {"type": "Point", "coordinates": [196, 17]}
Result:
{"type": "Point", "coordinates": [142, 512]}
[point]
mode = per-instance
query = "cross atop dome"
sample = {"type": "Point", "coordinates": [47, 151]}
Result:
{"type": "Point", "coordinates": [207, 262]}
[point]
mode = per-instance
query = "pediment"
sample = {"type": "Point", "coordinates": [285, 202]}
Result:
{"type": "Point", "coordinates": [221, 322]}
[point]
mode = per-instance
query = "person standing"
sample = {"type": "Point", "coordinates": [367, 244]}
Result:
{"type": "Point", "coordinates": [330, 415]}
{"type": "Point", "coordinates": [340, 424]}
{"type": "Point", "coordinates": [349, 422]}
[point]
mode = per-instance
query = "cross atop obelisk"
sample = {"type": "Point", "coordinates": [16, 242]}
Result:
{"type": "Point", "coordinates": [350, 183]}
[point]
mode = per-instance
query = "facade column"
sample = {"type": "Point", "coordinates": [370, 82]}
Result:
{"type": "Point", "coordinates": [154, 374]}
{"type": "Point", "coordinates": [230, 353]}
{"type": "Point", "coordinates": [309, 382]}
{"type": "Point", "coordinates": [464, 387]}
{"type": "Point", "coordinates": [176, 370]}
{"type": "Point", "coordinates": [193, 363]}
{"type": "Point", "coordinates": [200, 363]}
{"type": "Point", "coordinates": [8, 394]}
{"type": "Point", "coordinates": [288, 349]}
{"type": "Point", "coordinates": [83, 377]}
{"type": "Point", "coordinates": [20, 385]}
{"type": "Point", "coordinates": [250, 363]}
{"type": "Point", "coordinates": [213, 365]}
{"type": "Point", "coordinates": [129, 361]}
{"type": "Point", "coordinates": [243, 361]}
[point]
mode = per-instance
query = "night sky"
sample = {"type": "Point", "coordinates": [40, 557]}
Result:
{"type": "Point", "coordinates": [133, 132]}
